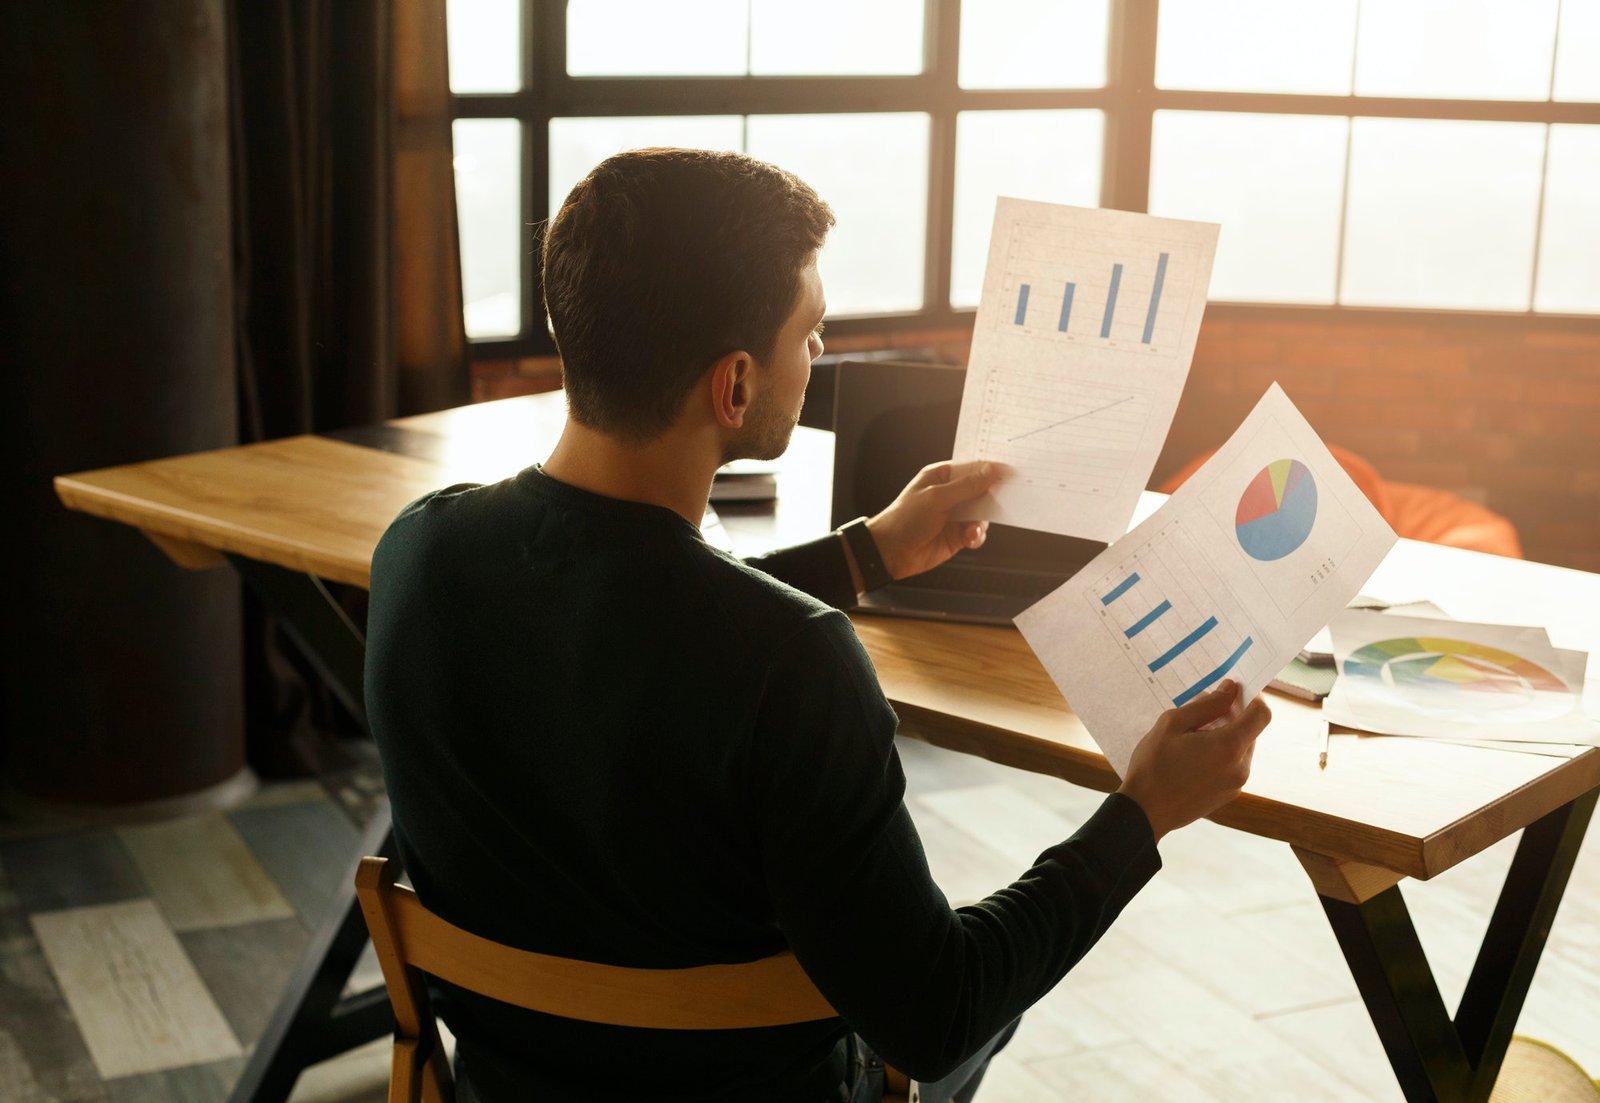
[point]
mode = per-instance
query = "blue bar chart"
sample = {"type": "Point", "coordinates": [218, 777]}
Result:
{"type": "Point", "coordinates": [1158, 612]}
{"type": "Point", "coordinates": [1110, 279]}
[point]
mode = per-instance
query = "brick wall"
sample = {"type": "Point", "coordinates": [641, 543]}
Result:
{"type": "Point", "coordinates": [1505, 414]}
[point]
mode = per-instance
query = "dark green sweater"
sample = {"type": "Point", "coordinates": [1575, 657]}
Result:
{"type": "Point", "coordinates": [606, 740]}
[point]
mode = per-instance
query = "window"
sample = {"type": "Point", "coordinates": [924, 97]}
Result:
{"type": "Point", "coordinates": [1402, 154]}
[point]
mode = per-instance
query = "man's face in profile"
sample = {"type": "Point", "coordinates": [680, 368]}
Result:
{"type": "Point", "coordinates": [781, 380]}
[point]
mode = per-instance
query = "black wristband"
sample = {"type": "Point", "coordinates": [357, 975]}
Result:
{"type": "Point", "coordinates": [865, 549]}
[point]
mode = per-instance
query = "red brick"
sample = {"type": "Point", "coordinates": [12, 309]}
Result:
{"type": "Point", "coordinates": [1341, 355]}
{"type": "Point", "coordinates": [1569, 394]}
{"type": "Point", "coordinates": [1502, 389]}
{"type": "Point", "coordinates": [1384, 385]}
{"type": "Point", "coordinates": [1242, 351]}
{"type": "Point", "coordinates": [1577, 340]}
{"type": "Point", "coordinates": [1438, 361]}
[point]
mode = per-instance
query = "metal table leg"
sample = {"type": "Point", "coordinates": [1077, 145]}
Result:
{"type": "Point", "coordinates": [313, 1020]}
{"type": "Point", "coordinates": [1438, 1059]}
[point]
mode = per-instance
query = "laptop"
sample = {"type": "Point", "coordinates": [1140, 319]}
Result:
{"type": "Point", "coordinates": [892, 418]}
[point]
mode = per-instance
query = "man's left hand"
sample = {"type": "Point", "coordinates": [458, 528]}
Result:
{"type": "Point", "coordinates": [915, 532]}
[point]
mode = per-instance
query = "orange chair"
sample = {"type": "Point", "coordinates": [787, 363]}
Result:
{"type": "Point", "coordinates": [1417, 512]}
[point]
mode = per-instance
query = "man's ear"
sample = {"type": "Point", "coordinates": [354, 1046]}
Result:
{"type": "Point", "coordinates": [731, 393]}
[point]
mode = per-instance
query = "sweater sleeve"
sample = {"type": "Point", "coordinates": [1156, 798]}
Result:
{"type": "Point", "coordinates": [923, 983]}
{"type": "Point", "coordinates": [817, 567]}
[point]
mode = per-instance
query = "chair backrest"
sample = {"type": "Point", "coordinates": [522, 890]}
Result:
{"type": "Point", "coordinates": [412, 941]}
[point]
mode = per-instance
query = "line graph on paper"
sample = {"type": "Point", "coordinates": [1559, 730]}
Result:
{"type": "Point", "coordinates": [1080, 436]}
{"type": "Point", "coordinates": [1175, 619]}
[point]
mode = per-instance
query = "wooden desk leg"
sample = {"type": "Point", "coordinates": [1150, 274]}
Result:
{"type": "Point", "coordinates": [1437, 1059]}
{"type": "Point", "coordinates": [314, 1021]}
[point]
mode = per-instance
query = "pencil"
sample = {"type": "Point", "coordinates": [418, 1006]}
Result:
{"type": "Point", "coordinates": [1322, 750]}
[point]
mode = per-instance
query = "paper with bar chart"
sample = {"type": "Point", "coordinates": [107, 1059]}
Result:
{"type": "Point", "coordinates": [1228, 579]}
{"type": "Point", "coordinates": [1081, 347]}
{"type": "Point", "coordinates": [1456, 681]}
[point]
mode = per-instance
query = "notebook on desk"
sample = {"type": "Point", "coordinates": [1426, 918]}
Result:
{"type": "Point", "coordinates": [890, 419]}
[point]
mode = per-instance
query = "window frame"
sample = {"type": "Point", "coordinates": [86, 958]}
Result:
{"type": "Point", "coordinates": [1129, 101]}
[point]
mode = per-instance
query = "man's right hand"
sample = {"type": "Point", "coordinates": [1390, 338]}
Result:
{"type": "Point", "coordinates": [1183, 770]}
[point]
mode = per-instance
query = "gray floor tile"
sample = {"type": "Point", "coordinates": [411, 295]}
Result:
{"type": "Point", "coordinates": [308, 849]}
{"type": "Point", "coordinates": [246, 968]}
{"type": "Point", "coordinates": [193, 1084]}
{"type": "Point", "coordinates": [43, 1058]}
{"type": "Point", "coordinates": [70, 871]}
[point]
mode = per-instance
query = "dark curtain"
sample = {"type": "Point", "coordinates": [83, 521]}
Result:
{"type": "Point", "coordinates": [347, 288]}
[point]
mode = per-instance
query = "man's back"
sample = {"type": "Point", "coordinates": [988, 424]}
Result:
{"type": "Point", "coordinates": [565, 689]}
{"type": "Point", "coordinates": [605, 740]}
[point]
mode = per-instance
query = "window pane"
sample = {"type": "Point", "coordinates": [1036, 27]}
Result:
{"type": "Point", "coordinates": [657, 37]}
{"type": "Point", "coordinates": [1033, 43]}
{"type": "Point", "coordinates": [1052, 156]}
{"type": "Point", "coordinates": [484, 39]}
{"type": "Point", "coordinates": [1569, 248]}
{"type": "Point", "coordinates": [1468, 49]}
{"type": "Point", "coordinates": [836, 36]}
{"type": "Point", "coordinates": [1274, 182]}
{"type": "Point", "coordinates": [873, 172]}
{"type": "Point", "coordinates": [1442, 213]}
{"type": "Point", "coordinates": [488, 157]}
{"type": "Point", "coordinates": [1257, 45]}
{"type": "Point", "coordinates": [578, 145]}
{"type": "Point", "coordinates": [1578, 51]}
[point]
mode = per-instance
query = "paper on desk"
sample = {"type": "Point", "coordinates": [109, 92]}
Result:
{"type": "Point", "coordinates": [1082, 343]}
{"type": "Point", "coordinates": [1456, 680]}
{"type": "Point", "coordinates": [1230, 578]}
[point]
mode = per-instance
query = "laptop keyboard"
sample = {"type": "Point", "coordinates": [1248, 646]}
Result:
{"type": "Point", "coordinates": [967, 580]}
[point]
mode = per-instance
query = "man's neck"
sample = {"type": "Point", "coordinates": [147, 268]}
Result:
{"type": "Point", "coordinates": [674, 470]}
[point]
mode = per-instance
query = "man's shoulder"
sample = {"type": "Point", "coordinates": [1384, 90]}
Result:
{"type": "Point", "coordinates": [750, 594]}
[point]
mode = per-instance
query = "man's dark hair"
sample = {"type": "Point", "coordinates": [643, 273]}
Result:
{"type": "Point", "coordinates": [660, 262]}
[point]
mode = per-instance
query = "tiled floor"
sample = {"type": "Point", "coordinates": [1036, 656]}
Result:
{"type": "Point", "coordinates": [139, 964]}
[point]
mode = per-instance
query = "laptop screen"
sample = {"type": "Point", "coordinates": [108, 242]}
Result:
{"type": "Point", "coordinates": [891, 419]}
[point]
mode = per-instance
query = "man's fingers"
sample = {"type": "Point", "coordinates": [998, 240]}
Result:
{"type": "Point", "coordinates": [1206, 707]}
{"type": "Point", "coordinates": [1252, 721]}
{"type": "Point", "coordinates": [964, 481]}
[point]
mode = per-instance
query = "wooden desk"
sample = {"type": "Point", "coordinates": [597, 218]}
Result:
{"type": "Point", "coordinates": [288, 512]}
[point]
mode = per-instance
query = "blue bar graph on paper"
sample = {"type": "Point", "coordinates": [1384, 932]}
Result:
{"type": "Point", "coordinates": [1148, 619]}
{"type": "Point", "coordinates": [1155, 298]}
{"type": "Point", "coordinates": [1205, 683]}
{"type": "Point", "coordinates": [1022, 303]}
{"type": "Point", "coordinates": [1122, 588]}
{"type": "Point", "coordinates": [1183, 645]}
{"type": "Point", "coordinates": [1111, 300]}
{"type": "Point", "coordinates": [1066, 307]}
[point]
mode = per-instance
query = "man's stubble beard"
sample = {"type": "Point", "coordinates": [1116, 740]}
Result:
{"type": "Point", "coordinates": [766, 434]}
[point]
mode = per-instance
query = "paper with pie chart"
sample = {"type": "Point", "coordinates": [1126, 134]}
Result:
{"type": "Point", "coordinates": [1228, 579]}
{"type": "Point", "coordinates": [1456, 680]}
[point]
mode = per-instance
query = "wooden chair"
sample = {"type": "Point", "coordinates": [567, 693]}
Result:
{"type": "Point", "coordinates": [411, 941]}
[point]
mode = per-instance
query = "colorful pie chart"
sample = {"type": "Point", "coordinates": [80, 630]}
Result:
{"type": "Point", "coordinates": [1277, 510]}
{"type": "Point", "coordinates": [1446, 677]}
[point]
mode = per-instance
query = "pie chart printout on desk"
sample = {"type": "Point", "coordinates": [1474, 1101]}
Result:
{"type": "Point", "coordinates": [1459, 679]}
{"type": "Point", "coordinates": [1277, 510]}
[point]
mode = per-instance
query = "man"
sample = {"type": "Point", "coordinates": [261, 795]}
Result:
{"type": "Point", "coordinates": [604, 739]}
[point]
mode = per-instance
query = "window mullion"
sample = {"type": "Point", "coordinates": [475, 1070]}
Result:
{"type": "Point", "coordinates": [942, 18]}
{"type": "Point", "coordinates": [1131, 71]}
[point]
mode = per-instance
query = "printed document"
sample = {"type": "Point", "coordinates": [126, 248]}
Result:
{"type": "Point", "coordinates": [1082, 343]}
{"type": "Point", "coordinates": [1229, 578]}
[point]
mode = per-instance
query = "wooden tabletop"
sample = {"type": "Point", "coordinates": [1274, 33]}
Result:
{"type": "Point", "coordinates": [1411, 807]}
